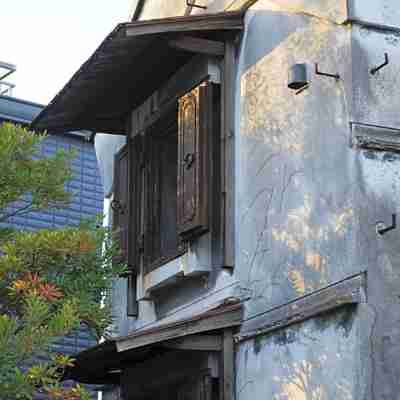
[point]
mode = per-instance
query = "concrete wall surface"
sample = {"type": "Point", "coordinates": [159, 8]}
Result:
{"type": "Point", "coordinates": [312, 360]}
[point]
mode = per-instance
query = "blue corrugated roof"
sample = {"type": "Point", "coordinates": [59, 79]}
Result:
{"type": "Point", "coordinates": [24, 112]}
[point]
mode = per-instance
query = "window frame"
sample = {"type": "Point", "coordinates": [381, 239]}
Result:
{"type": "Point", "coordinates": [203, 254]}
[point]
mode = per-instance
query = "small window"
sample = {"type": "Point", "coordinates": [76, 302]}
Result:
{"type": "Point", "coordinates": [173, 175]}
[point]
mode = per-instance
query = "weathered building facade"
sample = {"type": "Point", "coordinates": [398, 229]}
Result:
{"type": "Point", "coordinates": [254, 189]}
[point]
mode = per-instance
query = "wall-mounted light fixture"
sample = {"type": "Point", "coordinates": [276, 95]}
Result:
{"type": "Point", "coordinates": [298, 78]}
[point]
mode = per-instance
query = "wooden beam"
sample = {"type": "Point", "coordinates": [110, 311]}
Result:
{"type": "Point", "coordinates": [348, 291]}
{"type": "Point", "coordinates": [228, 161]}
{"type": "Point", "coordinates": [229, 366]}
{"type": "Point", "coordinates": [231, 21]}
{"type": "Point", "coordinates": [190, 75]}
{"type": "Point", "coordinates": [196, 342]}
{"type": "Point", "coordinates": [211, 322]}
{"type": "Point", "coordinates": [197, 45]}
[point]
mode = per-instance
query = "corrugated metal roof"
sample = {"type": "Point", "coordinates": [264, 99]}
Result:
{"type": "Point", "coordinates": [131, 63]}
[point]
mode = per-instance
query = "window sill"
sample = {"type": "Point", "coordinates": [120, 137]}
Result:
{"type": "Point", "coordinates": [195, 262]}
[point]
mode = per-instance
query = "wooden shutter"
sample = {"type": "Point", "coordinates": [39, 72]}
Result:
{"type": "Point", "coordinates": [135, 241]}
{"type": "Point", "coordinates": [199, 388]}
{"type": "Point", "coordinates": [120, 204]}
{"type": "Point", "coordinates": [195, 119]}
{"type": "Point", "coordinates": [126, 207]}
{"type": "Point", "coordinates": [151, 228]}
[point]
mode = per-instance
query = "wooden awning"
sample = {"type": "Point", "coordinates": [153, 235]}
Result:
{"type": "Point", "coordinates": [203, 332]}
{"type": "Point", "coordinates": [130, 64]}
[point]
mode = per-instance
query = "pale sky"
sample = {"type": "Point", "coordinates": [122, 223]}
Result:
{"type": "Point", "coordinates": [49, 40]}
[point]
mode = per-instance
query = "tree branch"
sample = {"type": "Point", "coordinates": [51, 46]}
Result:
{"type": "Point", "coordinates": [21, 211]}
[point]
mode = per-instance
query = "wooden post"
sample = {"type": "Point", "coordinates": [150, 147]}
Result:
{"type": "Point", "coordinates": [228, 133]}
{"type": "Point", "coordinates": [228, 366]}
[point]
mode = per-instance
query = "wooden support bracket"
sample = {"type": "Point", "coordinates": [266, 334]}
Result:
{"type": "Point", "coordinates": [196, 342]}
{"type": "Point", "coordinates": [197, 45]}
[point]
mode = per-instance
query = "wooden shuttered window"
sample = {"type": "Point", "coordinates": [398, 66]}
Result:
{"type": "Point", "coordinates": [135, 241]}
{"type": "Point", "coordinates": [127, 205]}
{"type": "Point", "coordinates": [161, 239]}
{"type": "Point", "coordinates": [127, 202]}
{"type": "Point", "coordinates": [135, 202]}
{"type": "Point", "coordinates": [120, 203]}
{"type": "Point", "coordinates": [196, 125]}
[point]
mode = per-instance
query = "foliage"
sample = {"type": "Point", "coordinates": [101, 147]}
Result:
{"type": "Point", "coordinates": [22, 172]}
{"type": "Point", "coordinates": [51, 281]}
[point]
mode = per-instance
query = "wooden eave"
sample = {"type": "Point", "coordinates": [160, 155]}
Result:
{"type": "Point", "coordinates": [202, 332]}
{"type": "Point", "coordinates": [132, 62]}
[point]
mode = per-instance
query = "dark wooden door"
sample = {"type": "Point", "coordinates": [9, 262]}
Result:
{"type": "Point", "coordinates": [201, 387]}
{"type": "Point", "coordinates": [198, 388]}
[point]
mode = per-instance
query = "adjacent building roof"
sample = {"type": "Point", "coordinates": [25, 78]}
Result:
{"type": "Point", "coordinates": [24, 112]}
{"type": "Point", "coordinates": [130, 64]}
{"type": "Point", "coordinates": [17, 110]}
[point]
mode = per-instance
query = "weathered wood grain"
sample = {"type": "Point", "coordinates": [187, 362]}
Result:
{"type": "Point", "coordinates": [349, 291]}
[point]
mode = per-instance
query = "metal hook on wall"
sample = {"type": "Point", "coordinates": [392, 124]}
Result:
{"type": "Point", "coordinates": [193, 4]}
{"type": "Point", "coordinates": [381, 228]}
{"type": "Point", "coordinates": [318, 72]}
{"type": "Point", "coordinates": [379, 67]}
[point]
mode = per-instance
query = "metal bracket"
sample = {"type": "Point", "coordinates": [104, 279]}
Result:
{"type": "Point", "coordinates": [379, 67]}
{"type": "Point", "coordinates": [127, 274]}
{"type": "Point", "coordinates": [381, 228]}
{"type": "Point", "coordinates": [193, 4]}
{"type": "Point", "coordinates": [318, 72]}
{"type": "Point", "coordinates": [116, 205]}
{"type": "Point", "coordinates": [188, 160]}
